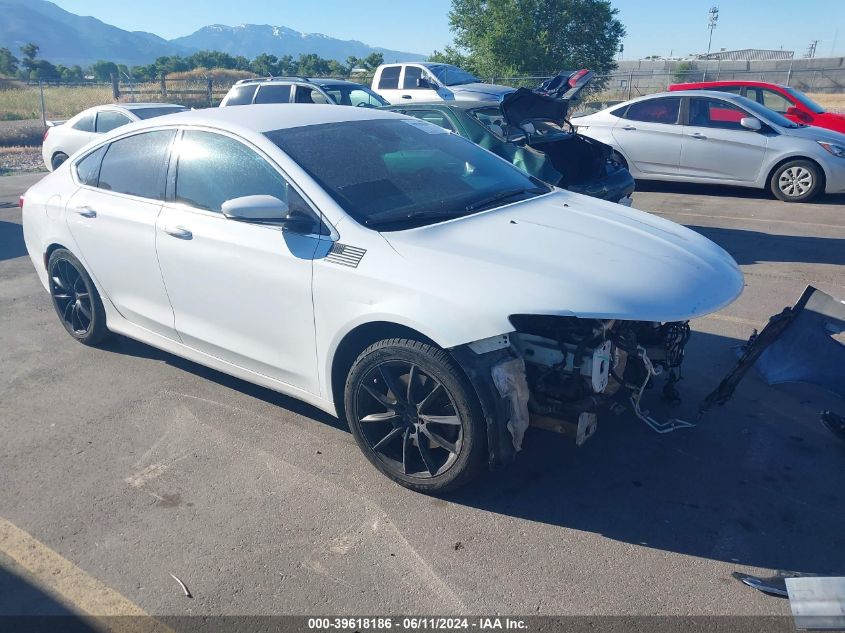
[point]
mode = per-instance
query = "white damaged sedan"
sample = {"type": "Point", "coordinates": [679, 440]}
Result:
{"type": "Point", "coordinates": [377, 267]}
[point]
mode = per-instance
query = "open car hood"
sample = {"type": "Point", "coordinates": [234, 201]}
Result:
{"type": "Point", "coordinates": [550, 101]}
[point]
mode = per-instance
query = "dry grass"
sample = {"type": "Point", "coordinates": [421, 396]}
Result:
{"type": "Point", "coordinates": [834, 103]}
{"type": "Point", "coordinates": [61, 102]}
{"type": "Point", "coordinates": [20, 159]}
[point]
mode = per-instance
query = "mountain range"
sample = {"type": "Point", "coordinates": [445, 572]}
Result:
{"type": "Point", "coordinates": [67, 38]}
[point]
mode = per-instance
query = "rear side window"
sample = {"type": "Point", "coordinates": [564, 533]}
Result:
{"type": "Point", "coordinates": [769, 98]}
{"type": "Point", "coordinates": [86, 123]}
{"type": "Point", "coordinates": [241, 95]}
{"type": "Point", "coordinates": [273, 94]}
{"type": "Point", "coordinates": [715, 113]}
{"type": "Point", "coordinates": [214, 168]}
{"type": "Point", "coordinates": [88, 169]}
{"type": "Point", "coordinates": [389, 78]}
{"type": "Point", "coordinates": [663, 110]}
{"type": "Point", "coordinates": [135, 165]}
{"type": "Point", "coordinates": [107, 120]}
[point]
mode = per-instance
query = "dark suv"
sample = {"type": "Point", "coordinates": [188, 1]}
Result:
{"type": "Point", "coordinates": [301, 90]}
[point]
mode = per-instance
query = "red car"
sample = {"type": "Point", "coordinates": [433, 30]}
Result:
{"type": "Point", "coordinates": [791, 103]}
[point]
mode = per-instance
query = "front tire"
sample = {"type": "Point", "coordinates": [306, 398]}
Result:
{"type": "Point", "coordinates": [415, 416]}
{"type": "Point", "coordinates": [797, 181]}
{"type": "Point", "coordinates": [75, 298]}
{"type": "Point", "coordinates": [57, 160]}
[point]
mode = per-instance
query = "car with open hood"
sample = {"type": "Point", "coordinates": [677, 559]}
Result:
{"type": "Point", "coordinates": [423, 289]}
{"type": "Point", "coordinates": [529, 128]}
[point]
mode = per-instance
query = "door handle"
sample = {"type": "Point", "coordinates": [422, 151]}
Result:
{"type": "Point", "coordinates": [699, 136]}
{"type": "Point", "coordinates": [629, 127]}
{"type": "Point", "coordinates": [86, 212]}
{"type": "Point", "coordinates": [406, 96]}
{"type": "Point", "coordinates": [178, 231]}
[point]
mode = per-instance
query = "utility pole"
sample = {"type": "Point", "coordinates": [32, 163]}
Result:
{"type": "Point", "coordinates": [711, 24]}
{"type": "Point", "coordinates": [811, 49]}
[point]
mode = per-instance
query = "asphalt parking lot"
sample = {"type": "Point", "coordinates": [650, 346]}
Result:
{"type": "Point", "coordinates": [130, 465]}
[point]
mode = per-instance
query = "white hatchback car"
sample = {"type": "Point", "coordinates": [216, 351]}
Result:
{"type": "Point", "coordinates": [63, 138]}
{"type": "Point", "coordinates": [715, 137]}
{"type": "Point", "coordinates": [421, 287]}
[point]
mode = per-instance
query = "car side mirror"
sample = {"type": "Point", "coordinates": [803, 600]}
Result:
{"type": "Point", "coordinates": [750, 123]}
{"type": "Point", "coordinates": [798, 114]}
{"type": "Point", "coordinates": [265, 209]}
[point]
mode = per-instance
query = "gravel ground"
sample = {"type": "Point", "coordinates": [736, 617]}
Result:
{"type": "Point", "coordinates": [19, 160]}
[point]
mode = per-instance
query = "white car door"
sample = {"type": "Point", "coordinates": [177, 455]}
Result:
{"type": "Point", "coordinates": [649, 135]}
{"type": "Point", "coordinates": [112, 218]}
{"type": "Point", "coordinates": [73, 135]}
{"type": "Point", "coordinates": [388, 83]}
{"type": "Point", "coordinates": [240, 291]}
{"type": "Point", "coordinates": [417, 85]}
{"type": "Point", "coordinates": [716, 146]}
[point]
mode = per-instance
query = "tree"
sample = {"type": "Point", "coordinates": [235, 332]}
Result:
{"type": "Point", "coordinates": [451, 55]}
{"type": "Point", "coordinates": [103, 70]}
{"type": "Point", "coordinates": [504, 37]}
{"type": "Point", "coordinates": [312, 64]}
{"type": "Point", "coordinates": [265, 65]}
{"type": "Point", "coordinates": [372, 61]}
{"type": "Point", "coordinates": [8, 62]}
{"type": "Point", "coordinates": [30, 51]}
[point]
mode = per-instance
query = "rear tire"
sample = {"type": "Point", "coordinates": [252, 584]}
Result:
{"type": "Point", "coordinates": [75, 298]}
{"type": "Point", "coordinates": [415, 416]}
{"type": "Point", "coordinates": [57, 160]}
{"type": "Point", "coordinates": [797, 181]}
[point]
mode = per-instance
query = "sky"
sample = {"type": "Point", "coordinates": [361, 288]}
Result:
{"type": "Point", "coordinates": [654, 28]}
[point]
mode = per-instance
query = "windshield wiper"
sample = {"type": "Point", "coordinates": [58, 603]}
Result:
{"type": "Point", "coordinates": [502, 195]}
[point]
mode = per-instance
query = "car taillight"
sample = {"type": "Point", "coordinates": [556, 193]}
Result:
{"type": "Point", "coordinates": [46, 133]}
{"type": "Point", "coordinates": [20, 202]}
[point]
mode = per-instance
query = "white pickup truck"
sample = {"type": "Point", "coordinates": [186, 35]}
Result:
{"type": "Point", "coordinates": [428, 81]}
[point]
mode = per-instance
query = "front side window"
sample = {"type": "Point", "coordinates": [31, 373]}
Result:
{"type": "Point", "coordinates": [412, 78]}
{"type": "Point", "coordinates": [241, 95]}
{"type": "Point", "coordinates": [307, 94]}
{"type": "Point", "coordinates": [399, 173]}
{"type": "Point", "coordinates": [350, 95]}
{"type": "Point", "coordinates": [135, 165]}
{"type": "Point", "coordinates": [389, 78]}
{"type": "Point", "coordinates": [450, 75]}
{"type": "Point", "coordinates": [88, 169]}
{"type": "Point", "coordinates": [734, 90]}
{"type": "Point", "coordinates": [772, 100]}
{"type": "Point", "coordinates": [86, 123]}
{"type": "Point", "coordinates": [273, 93]}
{"type": "Point", "coordinates": [107, 120]}
{"type": "Point", "coordinates": [213, 168]}
{"type": "Point", "coordinates": [662, 110]}
{"type": "Point", "coordinates": [715, 113]}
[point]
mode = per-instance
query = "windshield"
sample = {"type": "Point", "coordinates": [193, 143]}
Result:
{"type": "Point", "coordinates": [450, 75]}
{"type": "Point", "coordinates": [765, 113]}
{"type": "Point", "coordinates": [149, 113]}
{"type": "Point", "coordinates": [392, 174]}
{"type": "Point", "coordinates": [353, 96]}
{"type": "Point", "coordinates": [805, 100]}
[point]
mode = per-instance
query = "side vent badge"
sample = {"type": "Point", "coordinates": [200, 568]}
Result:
{"type": "Point", "coordinates": [345, 255]}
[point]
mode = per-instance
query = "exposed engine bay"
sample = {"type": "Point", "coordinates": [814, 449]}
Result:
{"type": "Point", "coordinates": [575, 368]}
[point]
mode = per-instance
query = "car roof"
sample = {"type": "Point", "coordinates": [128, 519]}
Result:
{"type": "Point", "coordinates": [685, 93]}
{"type": "Point", "coordinates": [273, 116]}
{"type": "Point", "coordinates": [317, 81]}
{"type": "Point", "coordinates": [141, 106]}
{"type": "Point", "coordinates": [726, 82]}
{"type": "Point", "coordinates": [452, 105]}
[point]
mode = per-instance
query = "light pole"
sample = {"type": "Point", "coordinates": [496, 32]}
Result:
{"type": "Point", "coordinates": [711, 24]}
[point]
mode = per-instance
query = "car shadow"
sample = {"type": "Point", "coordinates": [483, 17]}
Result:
{"type": "Point", "coordinates": [757, 483]}
{"type": "Point", "coordinates": [750, 247]}
{"type": "Point", "coordinates": [11, 240]}
{"type": "Point", "coordinates": [699, 189]}
{"type": "Point", "coordinates": [122, 345]}
{"type": "Point", "coordinates": [25, 607]}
